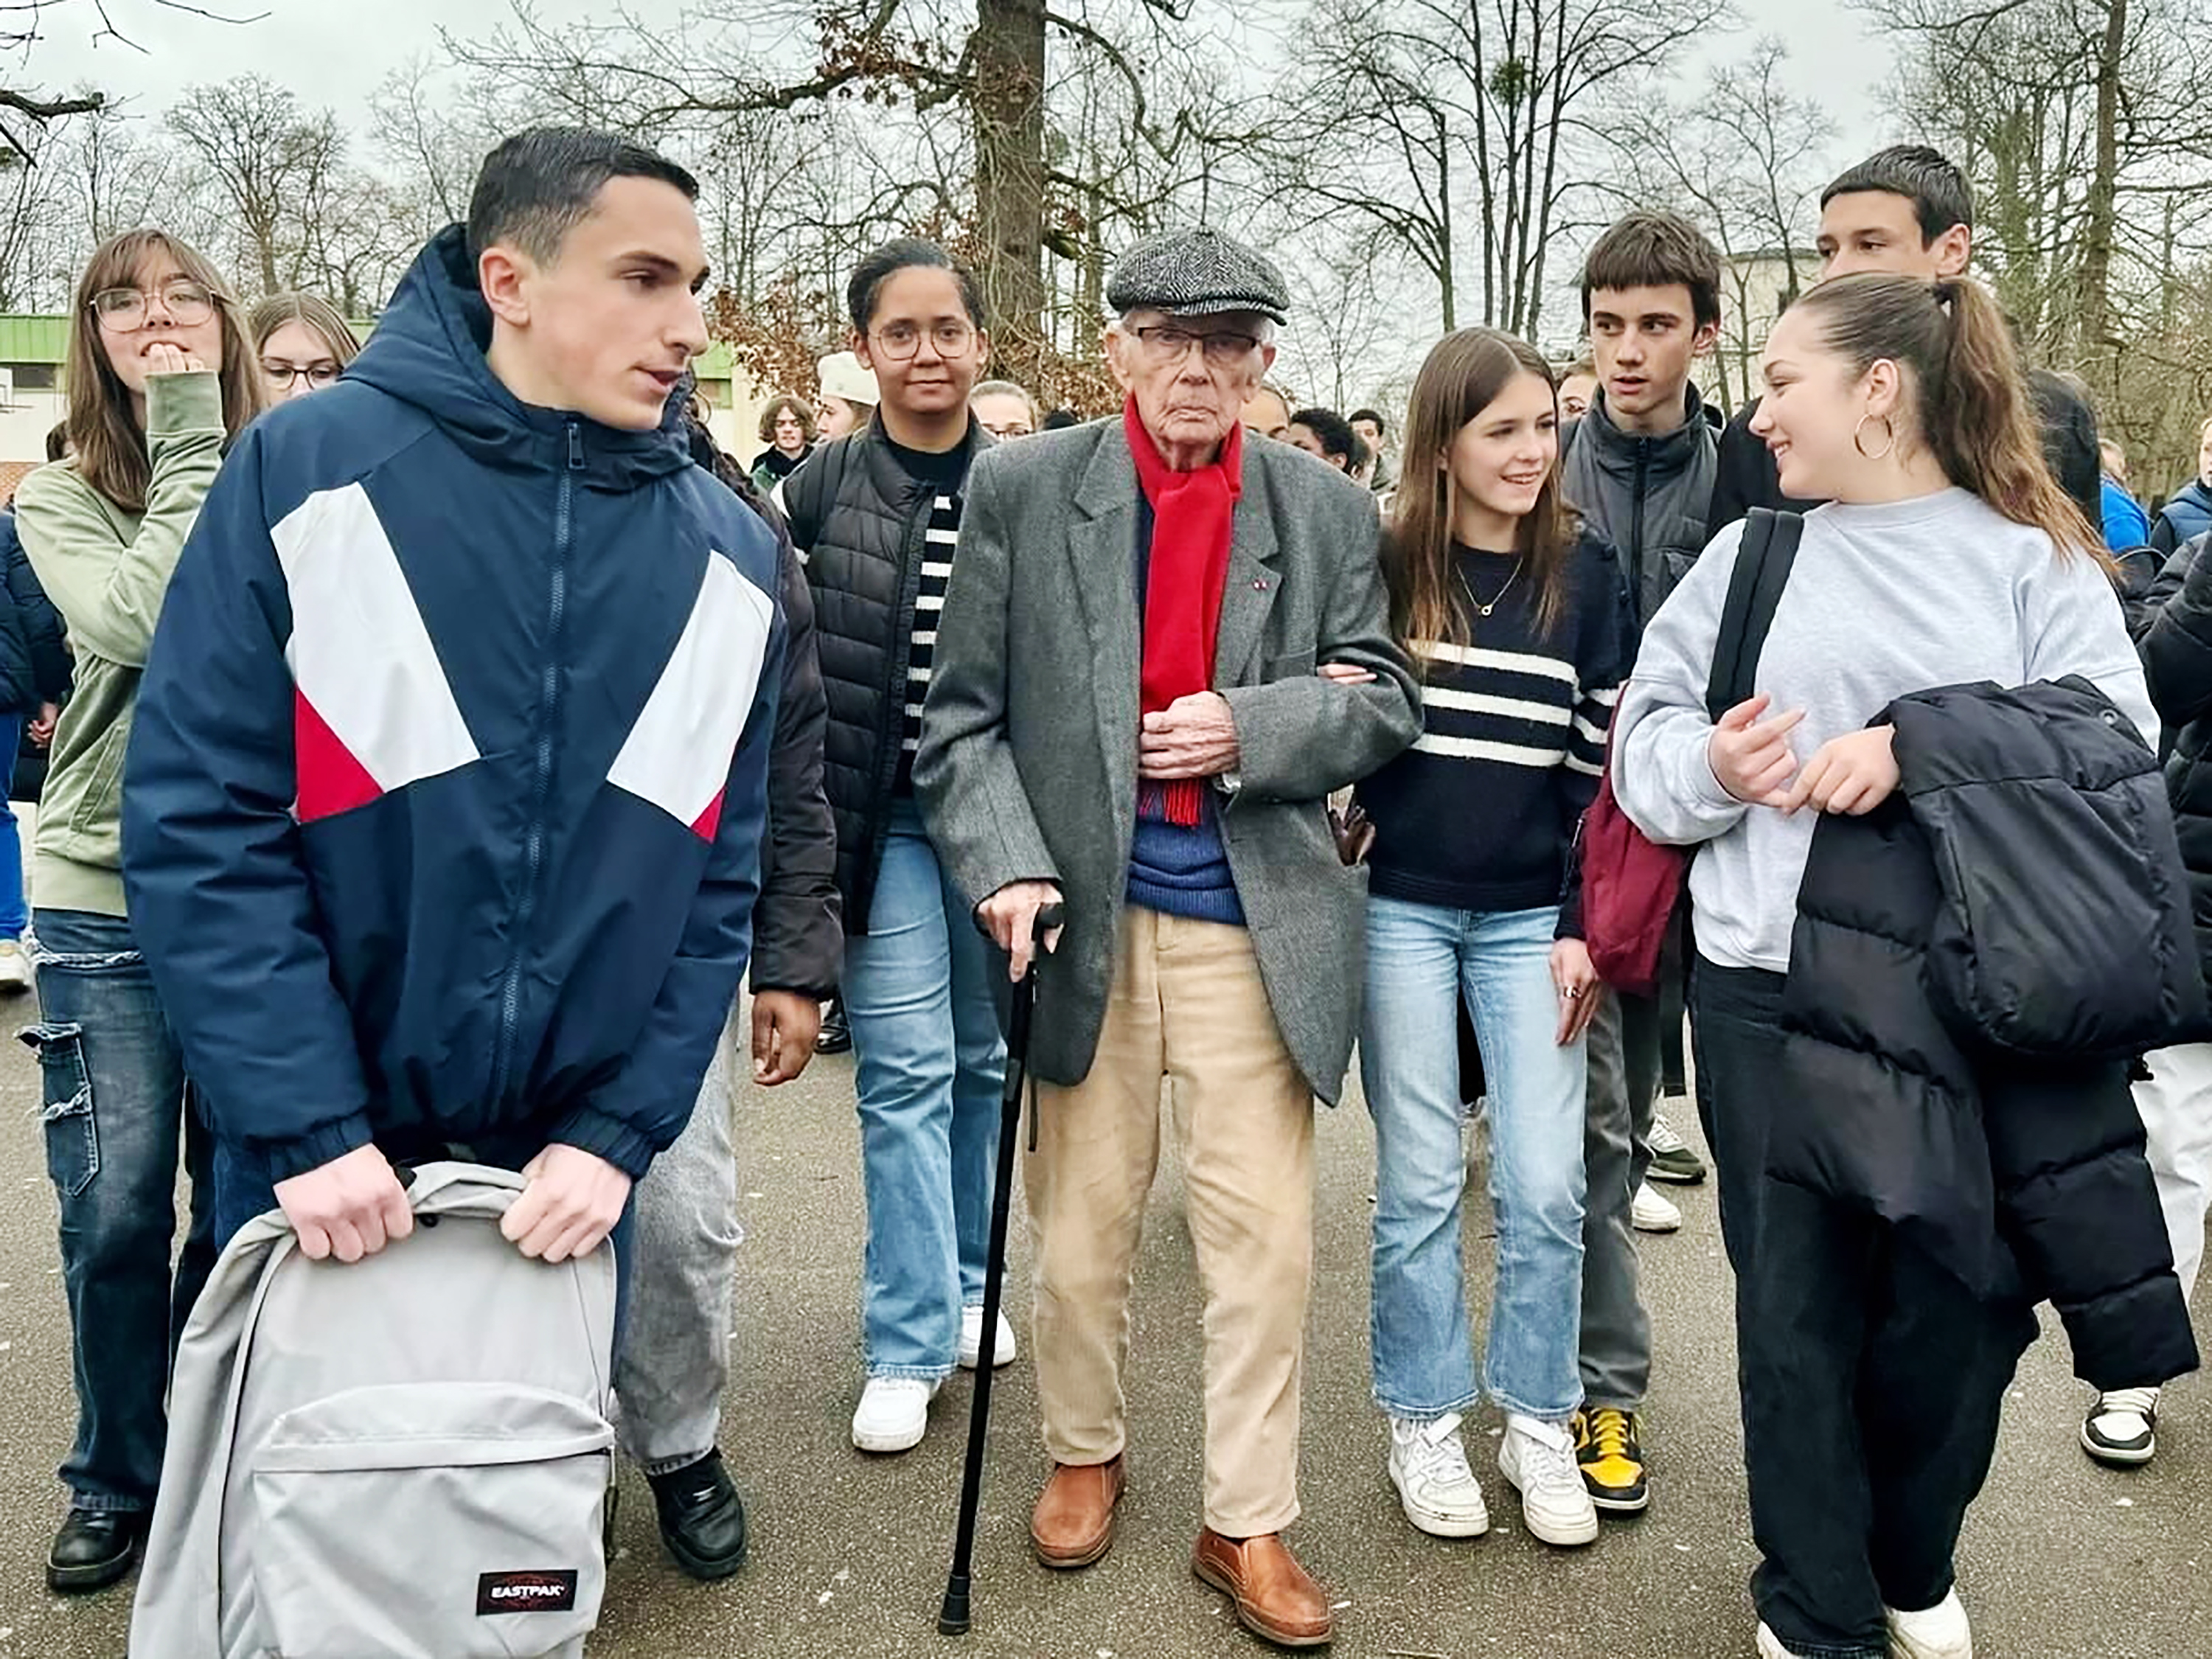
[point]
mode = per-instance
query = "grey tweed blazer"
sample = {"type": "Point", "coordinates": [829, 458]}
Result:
{"type": "Point", "coordinates": [1028, 767]}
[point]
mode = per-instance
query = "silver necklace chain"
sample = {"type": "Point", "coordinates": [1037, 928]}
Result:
{"type": "Point", "coordinates": [1481, 609]}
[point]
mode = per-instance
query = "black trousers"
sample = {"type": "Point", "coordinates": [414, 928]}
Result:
{"type": "Point", "coordinates": [1872, 1380]}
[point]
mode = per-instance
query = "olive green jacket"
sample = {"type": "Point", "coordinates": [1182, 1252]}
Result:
{"type": "Point", "coordinates": [106, 571]}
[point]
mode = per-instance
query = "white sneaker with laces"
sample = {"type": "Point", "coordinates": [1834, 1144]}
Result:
{"type": "Point", "coordinates": [14, 967]}
{"type": "Point", "coordinates": [2122, 1427]}
{"type": "Point", "coordinates": [971, 1339]}
{"type": "Point", "coordinates": [894, 1413]}
{"type": "Point", "coordinates": [1438, 1491]}
{"type": "Point", "coordinates": [1651, 1212]}
{"type": "Point", "coordinates": [1940, 1633]}
{"type": "Point", "coordinates": [1538, 1461]}
{"type": "Point", "coordinates": [1770, 1645]}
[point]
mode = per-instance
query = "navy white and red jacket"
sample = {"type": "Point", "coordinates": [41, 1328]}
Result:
{"type": "Point", "coordinates": [443, 810]}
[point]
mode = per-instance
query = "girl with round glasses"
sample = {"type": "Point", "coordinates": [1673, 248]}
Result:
{"type": "Point", "coordinates": [302, 342]}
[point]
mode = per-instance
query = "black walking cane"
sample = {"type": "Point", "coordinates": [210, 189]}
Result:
{"type": "Point", "coordinates": [952, 1617]}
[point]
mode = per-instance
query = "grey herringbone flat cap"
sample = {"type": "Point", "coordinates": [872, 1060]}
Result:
{"type": "Point", "coordinates": [1193, 273]}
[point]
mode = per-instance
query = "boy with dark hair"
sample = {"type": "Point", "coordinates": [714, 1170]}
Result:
{"type": "Point", "coordinates": [1368, 423]}
{"type": "Point", "coordinates": [1909, 211]}
{"type": "Point", "coordinates": [443, 812]}
{"type": "Point", "coordinates": [1325, 432]}
{"type": "Point", "coordinates": [1639, 467]}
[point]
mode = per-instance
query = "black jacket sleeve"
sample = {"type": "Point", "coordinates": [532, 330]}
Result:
{"type": "Point", "coordinates": [1744, 475]}
{"type": "Point", "coordinates": [2177, 650]}
{"type": "Point", "coordinates": [33, 628]}
{"type": "Point", "coordinates": [798, 935]}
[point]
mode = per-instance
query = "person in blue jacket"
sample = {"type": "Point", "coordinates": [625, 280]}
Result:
{"type": "Point", "coordinates": [34, 678]}
{"type": "Point", "coordinates": [442, 815]}
{"type": "Point", "coordinates": [2125, 524]}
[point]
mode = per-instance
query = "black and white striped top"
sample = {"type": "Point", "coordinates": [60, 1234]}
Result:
{"type": "Point", "coordinates": [943, 538]}
{"type": "Point", "coordinates": [1479, 814]}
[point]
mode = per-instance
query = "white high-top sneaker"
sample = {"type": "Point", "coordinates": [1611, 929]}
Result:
{"type": "Point", "coordinates": [1940, 1633]}
{"type": "Point", "coordinates": [893, 1414]}
{"type": "Point", "coordinates": [1438, 1491]}
{"type": "Point", "coordinates": [971, 1339]}
{"type": "Point", "coordinates": [1538, 1460]}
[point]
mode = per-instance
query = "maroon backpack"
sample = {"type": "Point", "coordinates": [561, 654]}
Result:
{"type": "Point", "coordinates": [1631, 884]}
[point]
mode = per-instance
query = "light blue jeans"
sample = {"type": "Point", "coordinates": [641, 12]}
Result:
{"type": "Point", "coordinates": [1420, 959]}
{"type": "Point", "coordinates": [931, 1063]}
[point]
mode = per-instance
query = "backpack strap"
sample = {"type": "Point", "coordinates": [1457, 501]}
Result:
{"type": "Point", "coordinates": [1762, 570]}
{"type": "Point", "coordinates": [809, 493]}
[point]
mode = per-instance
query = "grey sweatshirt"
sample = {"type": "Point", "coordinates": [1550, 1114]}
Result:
{"type": "Point", "coordinates": [1882, 601]}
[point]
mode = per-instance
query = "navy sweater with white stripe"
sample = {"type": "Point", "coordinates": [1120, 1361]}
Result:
{"type": "Point", "coordinates": [1480, 814]}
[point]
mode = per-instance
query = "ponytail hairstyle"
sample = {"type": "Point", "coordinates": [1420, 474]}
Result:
{"type": "Point", "coordinates": [1969, 392]}
{"type": "Point", "coordinates": [104, 435]}
{"type": "Point", "coordinates": [1463, 376]}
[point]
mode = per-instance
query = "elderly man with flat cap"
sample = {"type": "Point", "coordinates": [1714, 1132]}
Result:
{"type": "Point", "coordinates": [1128, 716]}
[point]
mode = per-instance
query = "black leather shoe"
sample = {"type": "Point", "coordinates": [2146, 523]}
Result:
{"type": "Point", "coordinates": [94, 1548]}
{"type": "Point", "coordinates": [836, 1034]}
{"type": "Point", "coordinates": [702, 1519]}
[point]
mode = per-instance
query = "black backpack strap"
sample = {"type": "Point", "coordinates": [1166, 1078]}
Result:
{"type": "Point", "coordinates": [1762, 570]}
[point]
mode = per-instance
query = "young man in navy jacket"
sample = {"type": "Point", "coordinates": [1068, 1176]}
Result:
{"type": "Point", "coordinates": [442, 817]}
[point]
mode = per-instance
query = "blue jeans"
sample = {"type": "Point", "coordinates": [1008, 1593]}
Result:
{"type": "Point", "coordinates": [243, 1190]}
{"type": "Point", "coordinates": [13, 918]}
{"type": "Point", "coordinates": [116, 1109]}
{"type": "Point", "coordinates": [1420, 959]}
{"type": "Point", "coordinates": [932, 1062]}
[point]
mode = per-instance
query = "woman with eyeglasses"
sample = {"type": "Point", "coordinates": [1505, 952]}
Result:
{"type": "Point", "coordinates": [161, 378]}
{"type": "Point", "coordinates": [302, 342]}
{"type": "Point", "coordinates": [878, 513]}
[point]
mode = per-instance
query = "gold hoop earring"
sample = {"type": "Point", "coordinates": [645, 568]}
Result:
{"type": "Point", "coordinates": [1888, 431]}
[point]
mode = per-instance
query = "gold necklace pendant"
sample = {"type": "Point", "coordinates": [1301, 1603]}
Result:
{"type": "Point", "coordinates": [1481, 609]}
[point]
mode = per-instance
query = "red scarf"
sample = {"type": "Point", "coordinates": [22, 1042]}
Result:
{"type": "Point", "coordinates": [1192, 515]}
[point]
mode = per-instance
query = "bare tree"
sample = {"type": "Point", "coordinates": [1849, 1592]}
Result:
{"type": "Point", "coordinates": [1501, 100]}
{"type": "Point", "coordinates": [264, 152]}
{"type": "Point", "coordinates": [1743, 160]}
{"type": "Point", "coordinates": [121, 21]}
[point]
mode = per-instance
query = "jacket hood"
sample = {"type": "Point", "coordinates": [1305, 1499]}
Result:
{"type": "Point", "coordinates": [1617, 450]}
{"type": "Point", "coordinates": [428, 350]}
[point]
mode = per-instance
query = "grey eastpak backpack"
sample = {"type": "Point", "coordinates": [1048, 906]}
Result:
{"type": "Point", "coordinates": [405, 1458]}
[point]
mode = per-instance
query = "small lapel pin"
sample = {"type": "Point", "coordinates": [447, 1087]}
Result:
{"type": "Point", "coordinates": [1260, 586]}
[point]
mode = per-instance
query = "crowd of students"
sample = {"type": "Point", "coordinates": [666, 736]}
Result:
{"type": "Point", "coordinates": [319, 888]}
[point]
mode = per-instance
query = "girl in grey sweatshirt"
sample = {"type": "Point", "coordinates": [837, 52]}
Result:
{"type": "Point", "coordinates": [1871, 1379]}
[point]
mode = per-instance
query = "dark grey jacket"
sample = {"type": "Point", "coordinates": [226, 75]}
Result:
{"type": "Point", "coordinates": [1028, 767]}
{"type": "Point", "coordinates": [798, 942]}
{"type": "Point", "coordinates": [1647, 498]}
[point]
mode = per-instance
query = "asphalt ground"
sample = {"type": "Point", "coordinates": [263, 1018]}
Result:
{"type": "Point", "coordinates": [2061, 1557]}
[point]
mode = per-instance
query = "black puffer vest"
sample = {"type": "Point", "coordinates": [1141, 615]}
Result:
{"type": "Point", "coordinates": [861, 524]}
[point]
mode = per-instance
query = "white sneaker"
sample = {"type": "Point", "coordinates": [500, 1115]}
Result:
{"type": "Point", "coordinates": [1770, 1645]}
{"type": "Point", "coordinates": [2122, 1427]}
{"type": "Point", "coordinates": [1941, 1632]}
{"type": "Point", "coordinates": [1649, 1212]}
{"type": "Point", "coordinates": [14, 967]}
{"type": "Point", "coordinates": [894, 1413]}
{"type": "Point", "coordinates": [1538, 1460]}
{"type": "Point", "coordinates": [1428, 1466]}
{"type": "Point", "coordinates": [971, 1339]}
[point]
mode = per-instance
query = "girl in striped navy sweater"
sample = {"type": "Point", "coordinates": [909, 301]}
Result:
{"type": "Point", "coordinates": [1522, 627]}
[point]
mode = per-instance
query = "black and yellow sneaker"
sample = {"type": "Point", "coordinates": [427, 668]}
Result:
{"type": "Point", "coordinates": [1609, 1451]}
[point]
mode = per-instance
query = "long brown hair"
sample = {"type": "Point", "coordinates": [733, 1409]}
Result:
{"type": "Point", "coordinates": [1463, 376]}
{"type": "Point", "coordinates": [1970, 394]}
{"type": "Point", "coordinates": [104, 429]}
{"type": "Point", "coordinates": [313, 313]}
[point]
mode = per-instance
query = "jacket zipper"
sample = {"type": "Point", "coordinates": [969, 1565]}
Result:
{"type": "Point", "coordinates": [549, 703]}
{"type": "Point", "coordinates": [1636, 528]}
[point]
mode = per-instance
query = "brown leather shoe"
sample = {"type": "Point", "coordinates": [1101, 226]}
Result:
{"type": "Point", "coordinates": [1275, 1597]}
{"type": "Point", "coordinates": [1072, 1525]}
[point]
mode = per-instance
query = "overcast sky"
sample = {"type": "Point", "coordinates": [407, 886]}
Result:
{"type": "Point", "coordinates": [333, 54]}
